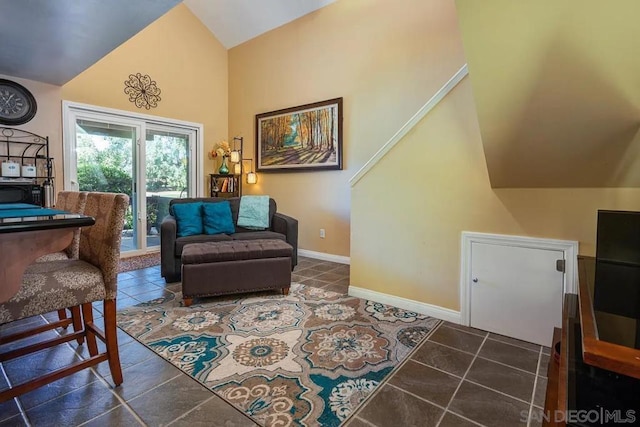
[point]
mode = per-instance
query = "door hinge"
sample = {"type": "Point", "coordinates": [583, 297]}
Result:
{"type": "Point", "coordinates": [560, 265]}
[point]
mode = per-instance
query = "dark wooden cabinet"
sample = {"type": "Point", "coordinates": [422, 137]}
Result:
{"type": "Point", "coordinates": [597, 351]}
{"type": "Point", "coordinates": [553, 382]}
{"type": "Point", "coordinates": [591, 377]}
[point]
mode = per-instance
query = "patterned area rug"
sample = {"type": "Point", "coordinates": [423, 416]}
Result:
{"type": "Point", "coordinates": [138, 262]}
{"type": "Point", "coordinates": [310, 358]}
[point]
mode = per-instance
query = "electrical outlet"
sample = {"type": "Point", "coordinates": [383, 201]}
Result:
{"type": "Point", "coordinates": [322, 233]}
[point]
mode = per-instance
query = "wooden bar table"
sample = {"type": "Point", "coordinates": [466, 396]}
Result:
{"type": "Point", "coordinates": [28, 232]}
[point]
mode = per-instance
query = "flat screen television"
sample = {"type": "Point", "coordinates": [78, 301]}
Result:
{"type": "Point", "coordinates": [617, 276]}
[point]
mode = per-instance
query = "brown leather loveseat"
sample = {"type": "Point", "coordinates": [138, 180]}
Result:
{"type": "Point", "coordinates": [281, 227]}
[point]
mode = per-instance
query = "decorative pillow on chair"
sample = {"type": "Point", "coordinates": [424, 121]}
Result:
{"type": "Point", "coordinates": [217, 218]}
{"type": "Point", "coordinates": [188, 218]}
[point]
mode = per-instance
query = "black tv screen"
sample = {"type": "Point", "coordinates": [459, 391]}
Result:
{"type": "Point", "coordinates": [617, 281]}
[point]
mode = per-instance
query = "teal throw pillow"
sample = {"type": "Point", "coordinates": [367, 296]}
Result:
{"type": "Point", "coordinates": [217, 218]}
{"type": "Point", "coordinates": [188, 218]}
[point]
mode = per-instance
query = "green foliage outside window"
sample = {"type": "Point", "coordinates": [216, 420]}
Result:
{"type": "Point", "coordinates": [99, 177]}
{"type": "Point", "coordinates": [105, 164]}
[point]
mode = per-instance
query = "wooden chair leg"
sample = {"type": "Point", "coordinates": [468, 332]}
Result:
{"type": "Point", "coordinates": [111, 337]}
{"type": "Point", "coordinates": [87, 315]}
{"type": "Point", "coordinates": [62, 314]}
{"type": "Point", "coordinates": [76, 318]}
{"type": "Point", "coordinates": [188, 301]}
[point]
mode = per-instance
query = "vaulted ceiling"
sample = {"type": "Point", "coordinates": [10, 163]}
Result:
{"type": "Point", "coordinates": [556, 86]}
{"type": "Point", "coordinates": [53, 41]}
{"type": "Point", "coordinates": [235, 21]}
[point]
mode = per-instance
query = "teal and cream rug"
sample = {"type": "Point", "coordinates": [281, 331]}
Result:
{"type": "Point", "coordinates": [307, 359]}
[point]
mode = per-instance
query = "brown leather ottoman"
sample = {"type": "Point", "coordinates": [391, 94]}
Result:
{"type": "Point", "coordinates": [229, 267]}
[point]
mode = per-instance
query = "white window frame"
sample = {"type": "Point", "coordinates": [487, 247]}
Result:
{"type": "Point", "coordinates": [70, 110]}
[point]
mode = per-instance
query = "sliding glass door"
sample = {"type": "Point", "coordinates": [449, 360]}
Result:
{"type": "Point", "coordinates": [167, 167]}
{"type": "Point", "coordinates": [150, 162]}
{"type": "Point", "coordinates": [106, 161]}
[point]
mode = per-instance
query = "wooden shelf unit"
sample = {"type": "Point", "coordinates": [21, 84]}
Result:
{"type": "Point", "coordinates": [225, 185]}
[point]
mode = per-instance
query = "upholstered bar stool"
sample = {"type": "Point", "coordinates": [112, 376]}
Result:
{"type": "Point", "coordinates": [55, 285]}
{"type": "Point", "coordinates": [74, 202]}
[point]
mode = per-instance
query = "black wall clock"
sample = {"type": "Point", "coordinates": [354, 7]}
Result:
{"type": "Point", "coordinates": [17, 104]}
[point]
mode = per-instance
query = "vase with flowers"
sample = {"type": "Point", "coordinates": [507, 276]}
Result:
{"type": "Point", "coordinates": [222, 150]}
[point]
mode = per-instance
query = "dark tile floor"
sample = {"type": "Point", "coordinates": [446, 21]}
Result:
{"type": "Point", "coordinates": [458, 377]}
{"type": "Point", "coordinates": [462, 377]}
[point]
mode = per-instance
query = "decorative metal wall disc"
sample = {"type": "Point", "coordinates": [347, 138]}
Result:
{"type": "Point", "coordinates": [142, 91]}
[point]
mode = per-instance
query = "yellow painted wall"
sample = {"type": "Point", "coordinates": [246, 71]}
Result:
{"type": "Point", "coordinates": [386, 59]}
{"type": "Point", "coordinates": [555, 86]}
{"type": "Point", "coordinates": [183, 57]}
{"type": "Point", "coordinates": [408, 245]}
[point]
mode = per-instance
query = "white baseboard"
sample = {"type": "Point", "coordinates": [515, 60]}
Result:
{"type": "Point", "coordinates": [324, 257]}
{"type": "Point", "coordinates": [407, 304]}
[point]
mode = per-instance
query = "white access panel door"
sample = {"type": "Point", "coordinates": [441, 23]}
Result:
{"type": "Point", "coordinates": [516, 291]}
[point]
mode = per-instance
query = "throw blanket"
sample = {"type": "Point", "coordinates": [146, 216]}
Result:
{"type": "Point", "coordinates": [254, 212]}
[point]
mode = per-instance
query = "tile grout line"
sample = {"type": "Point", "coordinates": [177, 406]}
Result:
{"type": "Point", "coordinates": [102, 380]}
{"type": "Point", "coordinates": [104, 383]}
{"type": "Point", "coordinates": [466, 329]}
{"type": "Point", "coordinates": [214, 396]}
{"type": "Point", "coordinates": [436, 369]}
{"type": "Point", "coordinates": [416, 396]}
{"type": "Point", "coordinates": [465, 418]}
{"type": "Point", "coordinates": [385, 381]}
{"type": "Point", "coordinates": [191, 410]}
{"type": "Point", "coordinates": [471, 381]}
{"type": "Point", "coordinates": [99, 378]}
{"type": "Point", "coordinates": [462, 380]}
{"type": "Point", "coordinates": [514, 345]}
{"type": "Point", "coordinates": [76, 355]}
{"type": "Point", "coordinates": [535, 386]}
{"type": "Point", "coordinates": [128, 408]}
{"type": "Point", "coordinates": [432, 403]}
{"type": "Point", "coordinates": [488, 334]}
{"type": "Point", "coordinates": [453, 348]}
{"type": "Point", "coordinates": [124, 291]}
{"type": "Point", "coordinates": [123, 401]}
{"type": "Point", "coordinates": [362, 420]}
{"type": "Point", "coordinates": [485, 358]}
{"type": "Point", "coordinates": [497, 391]}
{"type": "Point", "coordinates": [21, 410]}
{"type": "Point", "coordinates": [509, 366]}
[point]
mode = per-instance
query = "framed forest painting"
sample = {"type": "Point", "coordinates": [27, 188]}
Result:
{"type": "Point", "coordinates": [307, 137]}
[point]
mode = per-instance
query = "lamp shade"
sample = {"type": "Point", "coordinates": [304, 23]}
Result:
{"type": "Point", "coordinates": [235, 156]}
{"type": "Point", "coordinates": [252, 178]}
{"type": "Point", "coordinates": [237, 169]}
